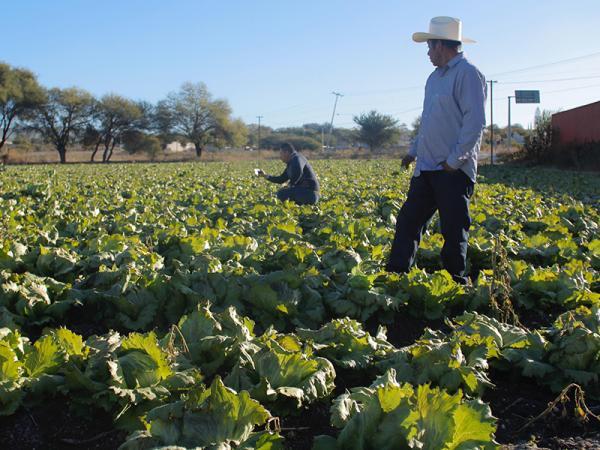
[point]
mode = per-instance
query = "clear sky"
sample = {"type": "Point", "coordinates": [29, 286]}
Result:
{"type": "Point", "coordinates": [282, 59]}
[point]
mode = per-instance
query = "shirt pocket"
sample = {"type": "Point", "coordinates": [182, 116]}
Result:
{"type": "Point", "coordinates": [442, 108]}
{"type": "Point", "coordinates": [446, 102]}
{"type": "Point", "coordinates": [448, 112]}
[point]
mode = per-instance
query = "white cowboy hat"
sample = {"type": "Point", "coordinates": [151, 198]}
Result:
{"type": "Point", "coordinates": [443, 27]}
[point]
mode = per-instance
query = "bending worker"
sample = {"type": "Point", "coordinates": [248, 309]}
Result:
{"type": "Point", "coordinates": [303, 186]}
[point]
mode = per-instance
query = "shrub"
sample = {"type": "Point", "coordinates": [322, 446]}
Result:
{"type": "Point", "coordinates": [538, 145]}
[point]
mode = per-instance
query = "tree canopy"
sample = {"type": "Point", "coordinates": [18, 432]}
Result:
{"type": "Point", "coordinates": [192, 114]}
{"type": "Point", "coordinates": [66, 117]}
{"type": "Point", "coordinates": [20, 93]}
{"type": "Point", "coordinates": [376, 130]}
{"type": "Point", "coordinates": [113, 116]}
{"type": "Point", "coordinates": [62, 115]}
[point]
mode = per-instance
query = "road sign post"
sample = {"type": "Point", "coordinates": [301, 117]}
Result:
{"type": "Point", "coordinates": [509, 126]}
{"type": "Point", "coordinates": [527, 96]}
{"type": "Point", "coordinates": [521, 97]}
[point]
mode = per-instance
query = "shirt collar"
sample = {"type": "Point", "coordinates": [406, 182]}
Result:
{"type": "Point", "coordinates": [453, 62]}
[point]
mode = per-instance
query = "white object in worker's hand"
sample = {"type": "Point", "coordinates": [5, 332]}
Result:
{"type": "Point", "coordinates": [258, 172]}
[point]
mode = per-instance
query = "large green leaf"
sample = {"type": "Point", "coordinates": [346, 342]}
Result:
{"type": "Point", "coordinates": [391, 416]}
{"type": "Point", "coordinates": [346, 344]}
{"type": "Point", "coordinates": [217, 417]}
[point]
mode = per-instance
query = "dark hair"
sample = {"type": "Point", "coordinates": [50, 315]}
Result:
{"type": "Point", "coordinates": [287, 147]}
{"type": "Point", "coordinates": [455, 45]}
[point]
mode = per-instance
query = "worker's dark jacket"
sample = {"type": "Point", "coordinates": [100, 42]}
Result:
{"type": "Point", "coordinates": [299, 173]}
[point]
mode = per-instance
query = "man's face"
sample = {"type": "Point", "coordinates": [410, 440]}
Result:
{"type": "Point", "coordinates": [435, 52]}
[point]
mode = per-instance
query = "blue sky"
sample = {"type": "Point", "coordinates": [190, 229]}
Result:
{"type": "Point", "coordinates": [281, 59]}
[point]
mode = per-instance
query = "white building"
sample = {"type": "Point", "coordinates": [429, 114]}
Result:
{"type": "Point", "coordinates": [177, 147]}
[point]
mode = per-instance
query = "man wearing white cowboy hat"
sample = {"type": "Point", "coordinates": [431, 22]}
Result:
{"type": "Point", "coordinates": [445, 150]}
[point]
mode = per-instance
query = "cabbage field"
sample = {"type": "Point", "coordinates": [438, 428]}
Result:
{"type": "Point", "coordinates": [182, 306]}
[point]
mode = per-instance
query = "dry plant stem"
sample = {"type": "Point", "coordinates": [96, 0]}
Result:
{"type": "Point", "coordinates": [90, 440]}
{"type": "Point", "coordinates": [579, 397]}
{"type": "Point", "coordinates": [183, 341]}
{"type": "Point", "coordinates": [500, 289]}
{"type": "Point", "coordinates": [273, 425]}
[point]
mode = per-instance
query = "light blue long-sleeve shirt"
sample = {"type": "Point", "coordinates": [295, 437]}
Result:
{"type": "Point", "coordinates": [453, 118]}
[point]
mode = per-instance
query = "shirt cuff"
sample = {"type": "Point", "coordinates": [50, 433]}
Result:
{"type": "Point", "coordinates": [454, 162]}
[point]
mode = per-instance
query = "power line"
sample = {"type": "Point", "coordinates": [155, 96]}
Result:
{"type": "Point", "coordinates": [496, 100]}
{"type": "Point", "coordinates": [384, 91]}
{"type": "Point", "coordinates": [311, 110]}
{"type": "Point", "coordinates": [547, 64]}
{"type": "Point", "coordinates": [500, 85]}
{"type": "Point", "coordinates": [572, 89]}
{"type": "Point", "coordinates": [573, 72]}
{"type": "Point", "coordinates": [550, 81]}
{"type": "Point", "coordinates": [287, 108]}
{"type": "Point", "coordinates": [407, 88]}
{"type": "Point", "coordinates": [558, 90]}
{"type": "Point", "coordinates": [416, 108]}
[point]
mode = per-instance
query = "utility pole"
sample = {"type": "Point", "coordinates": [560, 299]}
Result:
{"type": "Point", "coordinates": [258, 143]}
{"type": "Point", "coordinates": [337, 95]}
{"type": "Point", "coordinates": [492, 121]}
{"type": "Point", "coordinates": [509, 127]}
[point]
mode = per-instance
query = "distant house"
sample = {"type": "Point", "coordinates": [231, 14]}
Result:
{"type": "Point", "coordinates": [578, 125]}
{"type": "Point", "coordinates": [177, 147]}
{"type": "Point", "coordinates": [516, 138]}
{"type": "Point", "coordinates": [519, 139]}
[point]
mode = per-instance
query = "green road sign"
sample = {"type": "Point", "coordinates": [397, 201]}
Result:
{"type": "Point", "coordinates": [527, 96]}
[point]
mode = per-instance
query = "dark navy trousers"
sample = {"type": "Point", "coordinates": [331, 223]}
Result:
{"type": "Point", "coordinates": [299, 195]}
{"type": "Point", "coordinates": [448, 193]}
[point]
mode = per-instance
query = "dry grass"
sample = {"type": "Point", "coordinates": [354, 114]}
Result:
{"type": "Point", "coordinates": [49, 156]}
{"type": "Point", "coordinates": [14, 156]}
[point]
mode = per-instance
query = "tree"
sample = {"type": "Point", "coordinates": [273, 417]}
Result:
{"type": "Point", "coordinates": [91, 138]}
{"type": "Point", "coordinates": [20, 93]}
{"type": "Point", "coordinates": [376, 130]}
{"type": "Point", "coordinates": [192, 114]}
{"type": "Point", "coordinates": [518, 127]}
{"type": "Point", "coordinates": [317, 130]}
{"type": "Point", "coordinates": [146, 119]}
{"type": "Point", "coordinates": [161, 123]}
{"type": "Point", "coordinates": [344, 137]}
{"type": "Point", "coordinates": [233, 133]}
{"type": "Point", "coordinates": [61, 116]}
{"type": "Point", "coordinates": [538, 145]}
{"type": "Point", "coordinates": [265, 131]}
{"type": "Point", "coordinates": [487, 134]}
{"type": "Point", "coordinates": [416, 126]}
{"type": "Point", "coordinates": [274, 140]}
{"type": "Point", "coordinates": [135, 141]}
{"type": "Point", "coordinates": [113, 116]}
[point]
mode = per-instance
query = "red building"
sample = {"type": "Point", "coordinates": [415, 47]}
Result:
{"type": "Point", "coordinates": [578, 125]}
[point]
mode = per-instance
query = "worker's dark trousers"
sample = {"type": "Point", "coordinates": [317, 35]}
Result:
{"type": "Point", "coordinates": [449, 193]}
{"type": "Point", "coordinates": [299, 195]}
